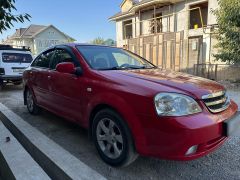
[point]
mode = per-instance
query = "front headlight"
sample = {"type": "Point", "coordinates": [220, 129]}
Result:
{"type": "Point", "coordinates": [173, 104]}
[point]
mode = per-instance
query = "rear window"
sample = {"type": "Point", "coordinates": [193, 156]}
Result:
{"type": "Point", "coordinates": [16, 58]}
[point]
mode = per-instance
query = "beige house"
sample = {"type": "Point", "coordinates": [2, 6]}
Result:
{"type": "Point", "coordinates": [173, 34]}
{"type": "Point", "coordinates": [38, 37]}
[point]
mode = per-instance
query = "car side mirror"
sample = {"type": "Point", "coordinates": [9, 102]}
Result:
{"type": "Point", "coordinates": [66, 67]}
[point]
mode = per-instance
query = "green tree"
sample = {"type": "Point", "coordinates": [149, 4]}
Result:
{"type": "Point", "coordinates": [6, 16]}
{"type": "Point", "coordinates": [228, 18]}
{"type": "Point", "coordinates": [99, 41]}
{"type": "Point", "coordinates": [110, 42]}
{"type": "Point", "coordinates": [102, 41]}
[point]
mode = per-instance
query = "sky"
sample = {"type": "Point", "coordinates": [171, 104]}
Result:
{"type": "Point", "coordinates": [83, 20]}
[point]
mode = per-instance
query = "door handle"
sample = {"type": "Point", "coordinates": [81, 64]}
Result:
{"type": "Point", "coordinates": [49, 77]}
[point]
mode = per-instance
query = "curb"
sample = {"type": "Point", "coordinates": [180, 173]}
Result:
{"type": "Point", "coordinates": [54, 160]}
{"type": "Point", "coordinates": [12, 156]}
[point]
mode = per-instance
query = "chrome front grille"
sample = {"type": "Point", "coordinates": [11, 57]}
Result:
{"type": "Point", "coordinates": [216, 102]}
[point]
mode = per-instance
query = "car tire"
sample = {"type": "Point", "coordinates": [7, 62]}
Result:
{"type": "Point", "coordinates": [30, 102]}
{"type": "Point", "coordinates": [1, 85]}
{"type": "Point", "coordinates": [113, 139]}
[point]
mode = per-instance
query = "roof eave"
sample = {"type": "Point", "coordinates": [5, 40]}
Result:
{"type": "Point", "coordinates": [121, 16]}
{"type": "Point", "coordinates": [68, 37]}
{"type": "Point", "coordinates": [122, 3]}
{"type": "Point", "coordinates": [137, 6]}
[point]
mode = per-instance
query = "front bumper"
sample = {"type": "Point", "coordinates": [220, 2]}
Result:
{"type": "Point", "coordinates": [172, 137]}
{"type": "Point", "coordinates": [10, 78]}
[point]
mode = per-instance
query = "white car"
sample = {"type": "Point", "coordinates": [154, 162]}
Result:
{"type": "Point", "coordinates": [13, 61]}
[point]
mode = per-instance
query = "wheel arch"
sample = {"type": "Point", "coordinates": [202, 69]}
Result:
{"type": "Point", "coordinates": [95, 110]}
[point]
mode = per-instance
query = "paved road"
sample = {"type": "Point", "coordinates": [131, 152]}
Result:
{"type": "Point", "coordinates": [222, 164]}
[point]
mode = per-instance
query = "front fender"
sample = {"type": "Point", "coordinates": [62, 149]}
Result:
{"type": "Point", "coordinates": [124, 109]}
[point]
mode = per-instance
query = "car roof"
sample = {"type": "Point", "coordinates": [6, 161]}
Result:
{"type": "Point", "coordinates": [73, 45]}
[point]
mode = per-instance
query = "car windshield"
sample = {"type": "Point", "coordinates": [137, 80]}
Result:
{"type": "Point", "coordinates": [16, 58]}
{"type": "Point", "coordinates": [110, 58]}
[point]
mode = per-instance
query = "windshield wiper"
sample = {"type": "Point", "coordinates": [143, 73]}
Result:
{"type": "Point", "coordinates": [138, 67]}
{"type": "Point", "coordinates": [125, 68]}
{"type": "Point", "coordinates": [121, 68]}
{"type": "Point", "coordinates": [132, 67]}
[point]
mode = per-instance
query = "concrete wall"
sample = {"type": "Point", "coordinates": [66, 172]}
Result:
{"type": "Point", "coordinates": [119, 30]}
{"type": "Point", "coordinates": [127, 5]}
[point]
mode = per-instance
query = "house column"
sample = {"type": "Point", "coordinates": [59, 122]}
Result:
{"type": "Point", "coordinates": [134, 26]}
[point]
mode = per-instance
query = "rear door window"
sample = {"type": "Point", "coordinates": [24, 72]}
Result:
{"type": "Point", "coordinates": [43, 60]}
{"type": "Point", "coordinates": [16, 58]}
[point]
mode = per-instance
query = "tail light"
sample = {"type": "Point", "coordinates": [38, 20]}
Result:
{"type": "Point", "coordinates": [2, 71]}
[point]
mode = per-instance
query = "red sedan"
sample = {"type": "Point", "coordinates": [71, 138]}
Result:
{"type": "Point", "coordinates": [129, 105]}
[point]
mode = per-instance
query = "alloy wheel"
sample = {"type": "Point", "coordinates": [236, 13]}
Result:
{"type": "Point", "coordinates": [109, 138]}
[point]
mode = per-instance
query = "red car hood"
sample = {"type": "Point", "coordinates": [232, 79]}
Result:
{"type": "Point", "coordinates": [190, 84]}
